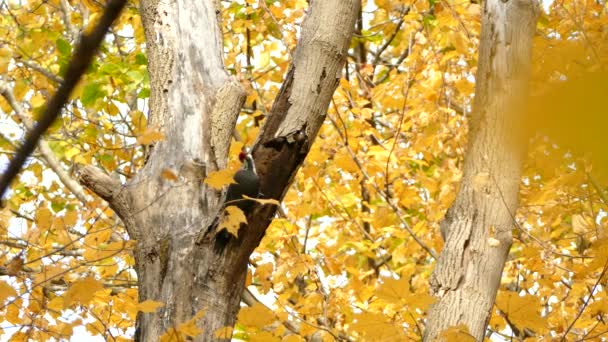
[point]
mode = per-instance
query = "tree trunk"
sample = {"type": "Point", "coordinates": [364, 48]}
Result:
{"type": "Point", "coordinates": [477, 228]}
{"type": "Point", "coordinates": [195, 104]}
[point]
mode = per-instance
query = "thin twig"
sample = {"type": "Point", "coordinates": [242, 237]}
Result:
{"type": "Point", "coordinates": [45, 150]}
{"type": "Point", "coordinates": [400, 60]}
{"type": "Point", "coordinates": [89, 42]}
{"type": "Point", "coordinates": [580, 312]}
{"type": "Point", "coordinates": [36, 67]}
{"type": "Point", "coordinates": [390, 39]}
{"type": "Point", "coordinates": [382, 194]}
{"type": "Point", "coordinates": [250, 299]}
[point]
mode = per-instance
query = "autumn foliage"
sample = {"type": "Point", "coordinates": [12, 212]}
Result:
{"type": "Point", "coordinates": [350, 254]}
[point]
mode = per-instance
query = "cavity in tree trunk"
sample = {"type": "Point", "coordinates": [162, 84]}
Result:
{"type": "Point", "coordinates": [195, 104]}
{"type": "Point", "coordinates": [477, 228]}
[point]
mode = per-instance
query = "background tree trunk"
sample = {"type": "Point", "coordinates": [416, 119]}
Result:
{"type": "Point", "coordinates": [477, 228]}
{"type": "Point", "coordinates": [195, 104]}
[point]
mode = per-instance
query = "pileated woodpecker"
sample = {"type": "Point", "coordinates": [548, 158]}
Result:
{"type": "Point", "coordinates": [246, 183]}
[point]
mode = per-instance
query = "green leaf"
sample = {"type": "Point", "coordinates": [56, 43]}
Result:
{"type": "Point", "coordinates": [136, 76]}
{"type": "Point", "coordinates": [140, 59]}
{"type": "Point", "coordinates": [91, 93]}
{"type": "Point", "coordinates": [65, 49]}
{"type": "Point", "coordinates": [57, 147]}
{"type": "Point", "coordinates": [57, 206]}
{"type": "Point", "coordinates": [105, 157]}
{"type": "Point", "coordinates": [429, 19]}
{"type": "Point", "coordinates": [109, 68]}
{"type": "Point", "coordinates": [144, 93]}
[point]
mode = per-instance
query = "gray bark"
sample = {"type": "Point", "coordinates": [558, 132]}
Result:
{"type": "Point", "coordinates": [195, 103]}
{"type": "Point", "coordinates": [477, 228]}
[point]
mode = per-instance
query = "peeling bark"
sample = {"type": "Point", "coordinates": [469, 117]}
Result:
{"type": "Point", "coordinates": [477, 228]}
{"type": "Point", "coordinates": [195, 104]}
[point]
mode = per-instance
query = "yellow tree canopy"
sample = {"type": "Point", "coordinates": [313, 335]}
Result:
{"type": "Point", "coordinates": [350, 255]}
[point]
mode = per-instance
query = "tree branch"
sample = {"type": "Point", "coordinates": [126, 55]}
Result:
{"type": "Point", "coordinates": [36, 67]}
{"type": "Point", "coordinates": [89, 42]}
{"type": "Point", "coordinates": [45, 151]}
{"type": "Point", "coordinates": [111, 191]}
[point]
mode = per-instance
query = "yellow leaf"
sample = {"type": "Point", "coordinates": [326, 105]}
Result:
{"type": "Point", "coordinates": [149, 306]}
{"type": "Point", "coordinates": [139, 120]}
{"type": "Point", "coordinates": [459, 41]}
{"type": "Point", "coordinates": [82, 291]}
{"type": "Point", "coordinates": [344, 84]}
{"type": "Point", "coordinates": [257, 316]}
{"type": "Point", "coordinates": [262, 275]}
{"type": "Point", "coordinates": [419, 301]}
{"type": "Point", "coordinates": [149, 136]}
{"type": "Point", "coordinates": [21, 88]}
{"type": "Point", "coordinates": [49, 272]}
{"type": "Point", "coordinates": [5, 59]}
{"type": "Point", "coordinates": [112, 109]}
{"type": "Point", "coordinates": [263, 336]}
{"type": "Point", "coordinates": [219, 179]}
{"type": "Point", "coordinates": [263, 59]}
{"type": "Point", "coordinates": [172, 335]}
{"type": "Point", "coordinates": [300, 4]}
{"type": "Point", "coordinates": [345, 162]}
{"type": "Point", "coordinates": [97, 237]}
{"type": "Point", "coordinates": [70, 218]}
{"type": "Point", "coordinates": [293, 338]}
{"type": "Point", "coordinates": [457, 334]}
{"type": "Point", "coordinates": [522, 311]}
{"type": "Point", "coordinates": [20, 336]}
{"type": "Point", "coordinates": [189, 328]}
{"type": "Point", "coordinates": [37, 101]}
{"type": "Point", "coordinates": [169, 174]}
{"type": "Point", "coordinates": [6, 291]}
{"type": "Point", "coordinates": [56, 304]}
{"type": "Point", "coordinates": [306, 330]}
{"type": "Point", "coordinates": [393, 290]}
{"type": "Point", "coordinates": [95, 327]}
{"type": "Point", "coordinates": [13, 312]}
{"type": "Point", "coordinates": [223, 333]}
{"type": "Point", "coordinates": [232, 219]}
{"type": "Point", "coordinates": [376, 327]}
{"type": "Point", "coordinates": [71, 152]}
{"type": "Point", "coordinates": [5, 106]}
{"type": "Point", "coordinates": [464, 87]}
{"type": "Point", "coordinates": [44, 218]}
{"type": "Point", "coordinates": [579, 224]}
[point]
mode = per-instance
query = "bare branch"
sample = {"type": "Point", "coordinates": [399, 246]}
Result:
{"type": "Point", "coordinates": [45, 151]}
{"type": "Point", "coordinates": [36, 67]}
{"type": "Point", "coordinates": [390, 39]}
{"type": "Point", "coordinates": [384, 196]}
{"type": "Point", "coordinates": [65, 16]}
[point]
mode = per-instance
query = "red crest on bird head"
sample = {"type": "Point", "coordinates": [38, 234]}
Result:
{"type": "Point", "coordinates": [242, 156]}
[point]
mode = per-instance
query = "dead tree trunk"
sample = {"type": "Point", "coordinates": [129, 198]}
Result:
{"type": "Point", "coordinates": [477, 228]}
{"type": "Point", "coordinates": [194, 103]}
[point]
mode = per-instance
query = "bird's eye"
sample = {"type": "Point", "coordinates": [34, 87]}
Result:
{"type": "Point", "coordinates": [242, 156]}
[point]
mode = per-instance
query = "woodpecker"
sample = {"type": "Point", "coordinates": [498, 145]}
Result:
{"type": "Point", "coordinates": [246, 183]}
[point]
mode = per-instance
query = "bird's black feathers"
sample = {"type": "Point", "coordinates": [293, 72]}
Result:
{"type": "Point", "coordinates": [246, 182]}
